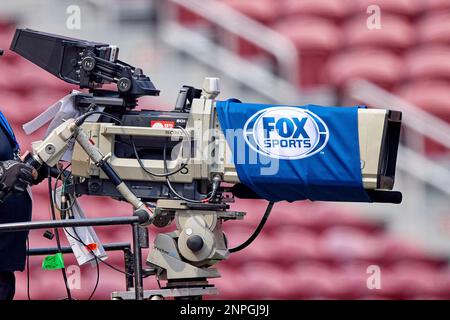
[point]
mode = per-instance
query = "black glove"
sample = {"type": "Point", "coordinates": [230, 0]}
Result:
{"type": "Point", "coordinates": [42, 174]}
{"type": "Point", "coordinates": [15, 176]}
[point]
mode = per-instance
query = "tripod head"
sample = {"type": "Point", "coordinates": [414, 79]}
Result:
{"type": "Point", "coordinates": [86, 64]}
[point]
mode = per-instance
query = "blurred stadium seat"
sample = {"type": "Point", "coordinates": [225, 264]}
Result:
{"type": "Point", "coordinates": [436, 5]}
{"type": "Point", "coordinates": [386, 72]}
{"type": "Point", "coordinates": [428, 63]}
{"type": "Point", "coordinates": [264, 11]}
{"type": "Point", "coordinates": [334, 10]}
{"type": "Point", "coordinates": [434, 28]}
{"type": "Point", "coordinates": [431, 95]}
{"type": "Point", "coordinates": [396, 33]}
{"type": "Point", "coordinates": [315, 38]}
{"type": "Point", "coordinates": [407, 8]}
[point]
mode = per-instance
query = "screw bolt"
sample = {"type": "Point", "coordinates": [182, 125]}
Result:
{"type": "Point", "coordinates": [88, 63]}
{"type": "Point", "coordinates": [124, 84]}
{"type": "Point", "coordinates": [50, 149]}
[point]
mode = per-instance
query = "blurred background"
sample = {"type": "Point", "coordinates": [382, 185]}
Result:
{"type": "Point", "coordinates": [394, 55]}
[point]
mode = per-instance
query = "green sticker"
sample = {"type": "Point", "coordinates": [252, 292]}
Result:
{"type": "Point", "coordinates": [53, 262]}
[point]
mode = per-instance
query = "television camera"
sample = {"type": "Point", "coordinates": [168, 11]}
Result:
{"type": "Point", "coordinates": [170, 166]}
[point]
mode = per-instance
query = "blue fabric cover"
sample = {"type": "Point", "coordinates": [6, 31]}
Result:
{"type": "Point", "coordinates": [314, 149]}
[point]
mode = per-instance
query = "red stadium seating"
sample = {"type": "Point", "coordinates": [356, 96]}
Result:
{"type": "Point", "coordinates": [434, 28]}
{"type": "Point", "coordinates": [379, 66]}
{"type": "Point", "coordinates": [436, 5]}
{"type": "Point", "coordinates": [400, 7]}
{"type": "Point", "coordinates": [284, 247]}
{"type": "Point", "coordinates": [343, 244]}
{"type": "Point", "coordinates": [310, 33]}
{"type": "Point", "coordinates": [312, 280]}
{"type": "Point", "coordinates": [428, 63]}
{"type": "Point", "coordinates": [315, 38]}
{"type": "Point", "coordinates": [329, 9]}
{"type": "Point", "coordinates": [264, 11]}
{"type": "Point", "coordinates": [396, 33]}
{"type": "Point", "coordinates": [432, 96]}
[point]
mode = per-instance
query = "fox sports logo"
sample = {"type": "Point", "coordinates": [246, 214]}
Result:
{"type": "Point", "coordinates": [286, 133]}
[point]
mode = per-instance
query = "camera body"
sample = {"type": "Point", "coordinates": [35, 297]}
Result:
{"type": "Point", "coordinates": [206, 154]}
{"type": "Point", "coordinates": [211, 154]}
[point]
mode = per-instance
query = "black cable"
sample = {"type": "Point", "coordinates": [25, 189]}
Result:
{"type": "Point", "coordinates": [97, 281]}
{"type": "Point", "coordinates": [52, 197]}
{"type": "Point", "coordinates": [63, 205]}
{"type": "Point", "coordinates": [96, 260]}
{"type": "Point", "coordinates": [56, 232]}
{"type": "Point", "coordinates": [28, 268]}
{"type": "Point", "coordinates": [141, 164]}
{"type": "Point", "coordinates": [83, 117]}
{"type": "Point", "coordinates": [170, 185]}
{"type": "Point", "coordinates": [55, 186]}
{"type": "Point", "coordinates": [257, 230]}
{"type": "Point", "coordinates": [95, 256]}
{"type": "Point", "coordinates": [165, 174]}
{"type": "Point", "coordinates": [79, 121]}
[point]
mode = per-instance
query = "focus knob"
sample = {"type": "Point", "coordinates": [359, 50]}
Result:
{"type": "Point", "coordinates": [195, 243]}
{"type": "Point", "coordinates": [124, 84]}
{"type": "Point", "coordinates": [88, 63]}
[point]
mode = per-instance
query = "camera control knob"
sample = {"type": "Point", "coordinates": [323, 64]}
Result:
{"type": "Point", "coordinates": [124, 84]}
{"type": "Point", "coordinates": [195, 243]}
{"type": "Point", "coordinates": [88, 63]}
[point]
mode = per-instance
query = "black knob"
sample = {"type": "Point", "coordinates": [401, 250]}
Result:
{"type": "Point", "coordinates": [124, 84]}
{"type": "Point", "coordinates": [88, 63]}
{"type": "Point", "coordinates": [195, 243]}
